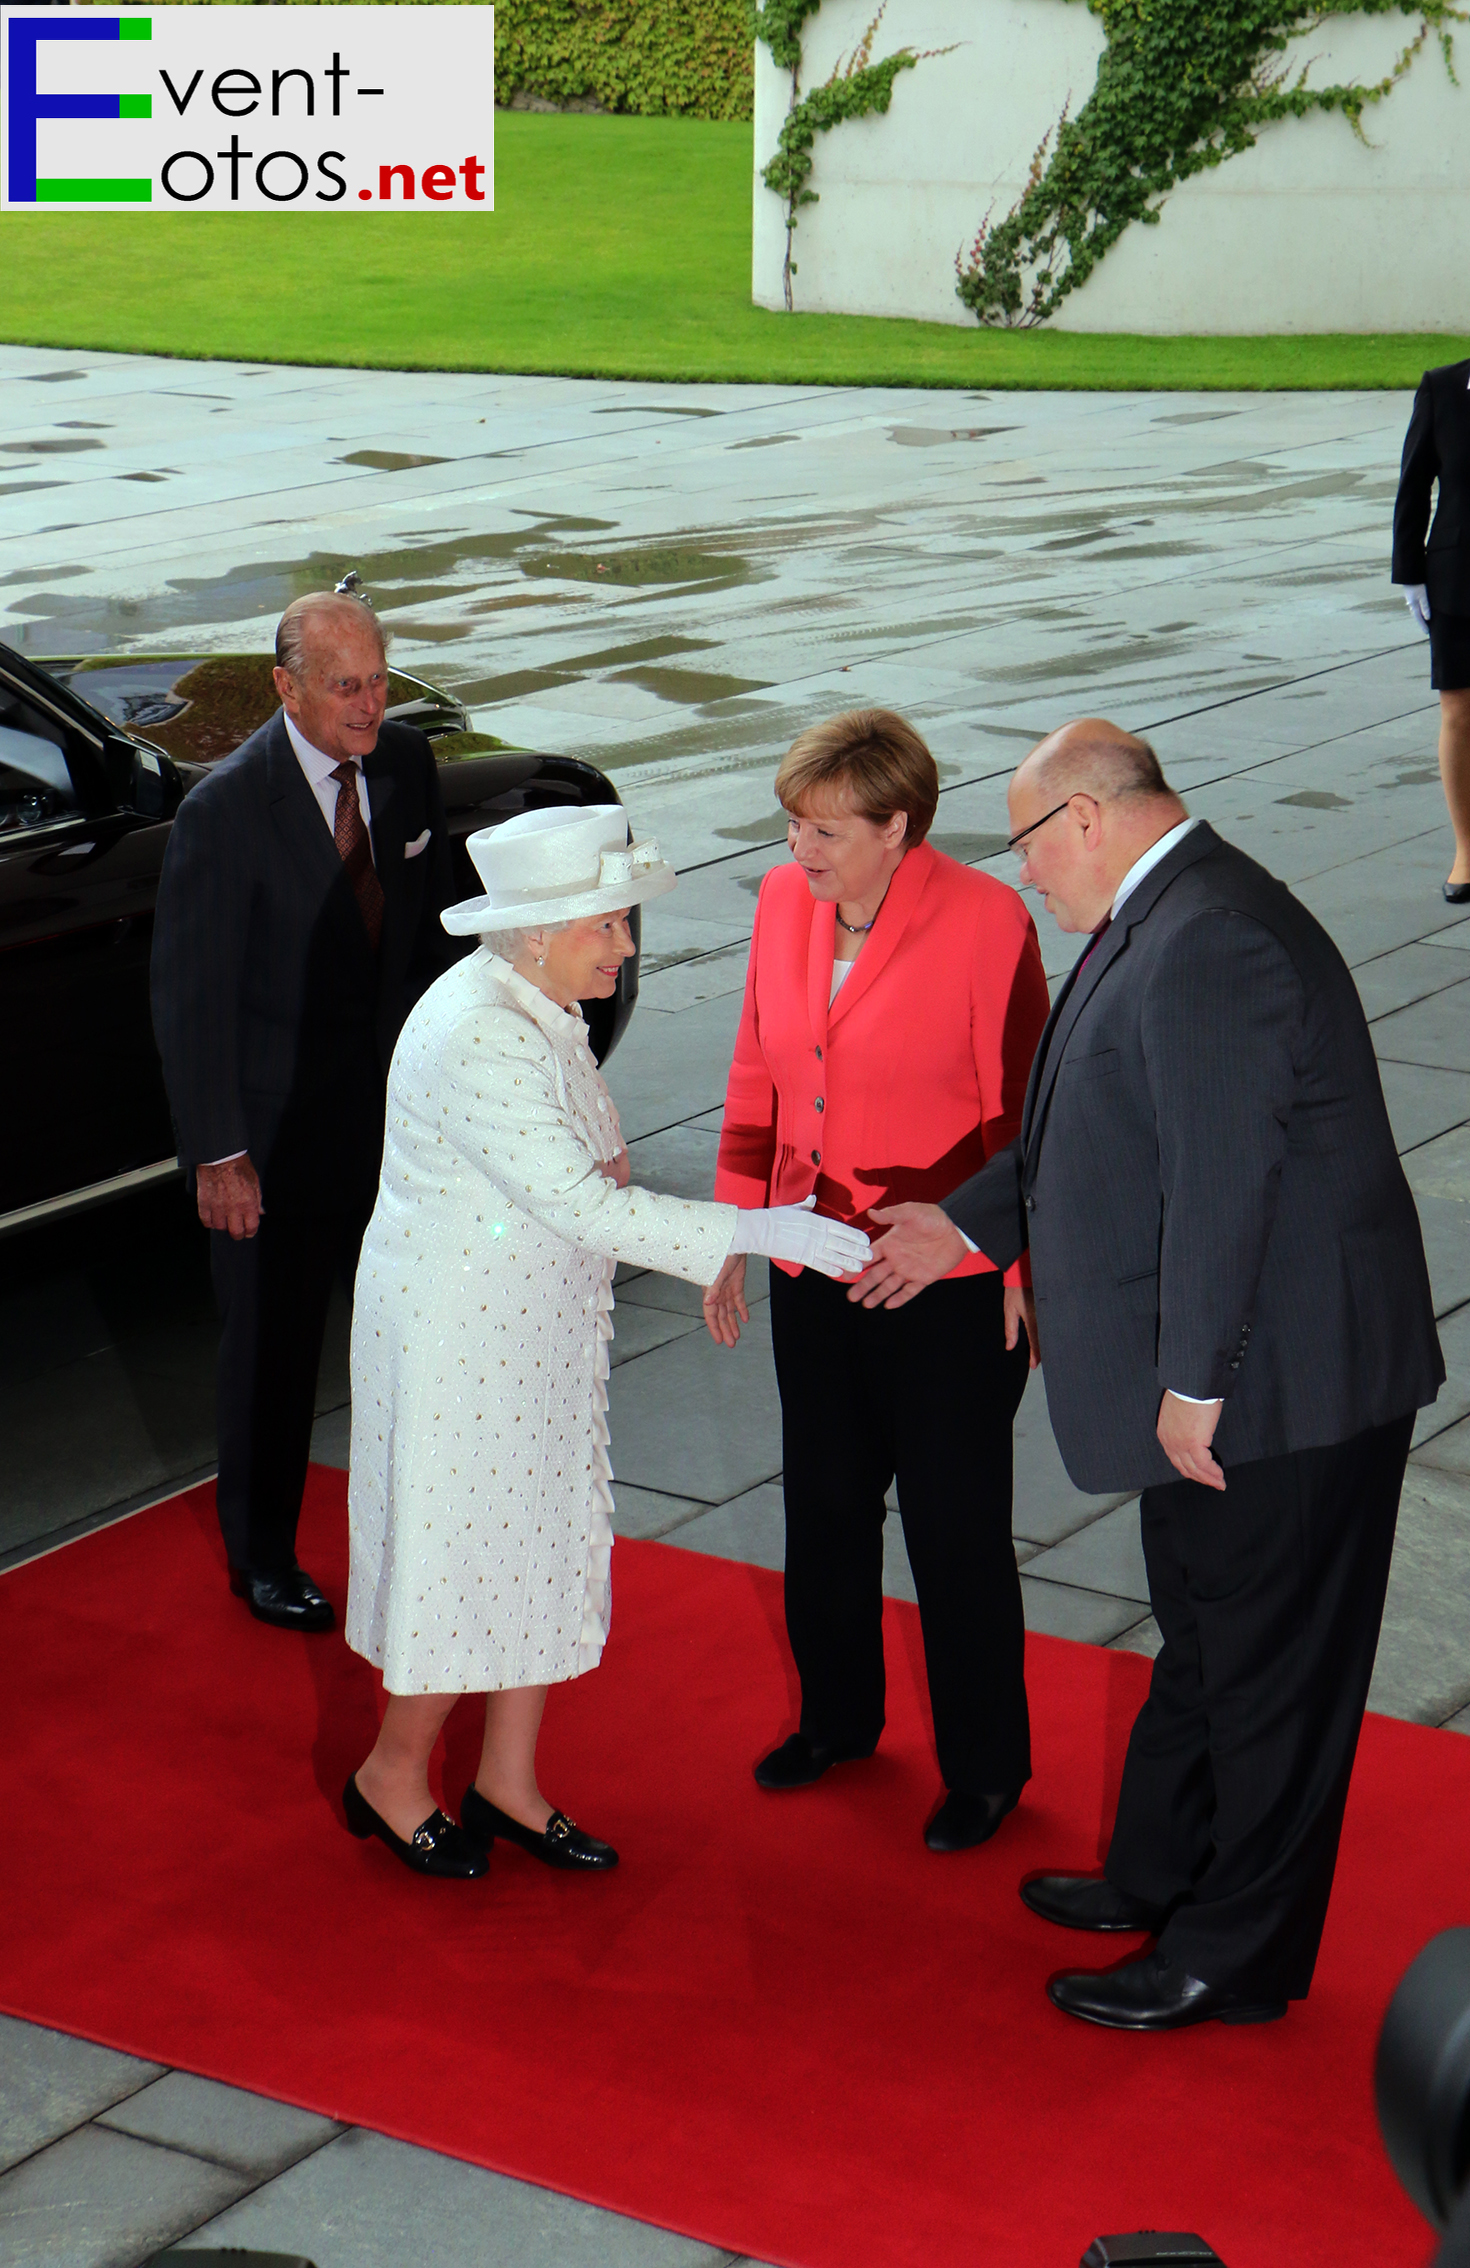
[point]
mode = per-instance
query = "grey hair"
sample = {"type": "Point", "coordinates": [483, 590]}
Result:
{"type": "Point", "coordinates": [508, 943]}
{"type": "Point", "coordinates": [291, 654]}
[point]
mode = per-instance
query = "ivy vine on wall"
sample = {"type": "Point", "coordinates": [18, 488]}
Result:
{"type": "Point", "coordinates": [1182, 85]}
{"type": "Point", "coordinates": [857, 88]}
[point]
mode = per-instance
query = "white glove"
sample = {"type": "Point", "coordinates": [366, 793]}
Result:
{"type": "Point", "coordinates": [1416, 599]}
{"type": "Point", "coordinates": [795, 1232]}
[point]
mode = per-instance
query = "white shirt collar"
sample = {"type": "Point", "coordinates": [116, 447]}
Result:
{"type": "Point", "coordinates": [316, 766]}
{"type": "Point", "coordinates": [1150, 859]}
{"type": "Point", "coordinates": [558, 1021]}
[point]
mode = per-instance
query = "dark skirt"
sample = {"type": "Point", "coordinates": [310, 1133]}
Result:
{"type": "Point", "coordinates": [1449, 652]}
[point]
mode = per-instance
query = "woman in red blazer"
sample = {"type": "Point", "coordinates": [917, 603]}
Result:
{"type": "Point", "coordinates": [893, 1003]}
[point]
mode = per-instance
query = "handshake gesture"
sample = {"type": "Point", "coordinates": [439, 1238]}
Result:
{"type": "Point", "coordinates": [783, 1232]}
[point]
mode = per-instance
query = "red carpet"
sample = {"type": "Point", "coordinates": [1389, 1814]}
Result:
{"type": "Point", "coordinates": [782, 2026]}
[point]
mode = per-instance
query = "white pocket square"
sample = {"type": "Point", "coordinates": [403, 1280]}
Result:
{"type": "Point", "coordinates": [419, 843]}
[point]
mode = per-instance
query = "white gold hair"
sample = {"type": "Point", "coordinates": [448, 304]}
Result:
{"type": "Point", "coordinates": [509, 943]}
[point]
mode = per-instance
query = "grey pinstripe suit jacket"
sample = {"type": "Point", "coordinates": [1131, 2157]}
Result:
{"type": "Point", "coordinates": [275, 1019]}
{"type": "Point", "coordinates": [1207, 1182]}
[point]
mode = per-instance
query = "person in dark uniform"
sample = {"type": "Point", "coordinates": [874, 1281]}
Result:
{"type": "Point", "coordinates": [1437, 576]}
{"type": "Point", "coordinates": [297, 924]}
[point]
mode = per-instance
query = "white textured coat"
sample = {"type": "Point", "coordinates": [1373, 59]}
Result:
{"type": "Point", "coordinates": [479, 1499]}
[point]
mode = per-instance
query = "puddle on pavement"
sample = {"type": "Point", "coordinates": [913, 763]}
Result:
{"type": "Point", "coordinates": [53, 377]}
{"type": "Point", "coordinates": [27, 487]}
{"type": "Point", "coordinates": [967, 848]}
{"type": "Point", "coordinates": [47, 575]}
{"type": "Point", "coordinates": [84, 425]}
{"type": "Point", "coordinates": [1429, 776]}
{"type": "Point", "coordinates": [930, 436]}
{"type": "Point", "coordinates": [764, 441]}
{"type": "Point", "coordinates": [772, 830]}
{"type": "Point", "coordinates": [266, 587]}
{"type": "Point", "coordinates": [389, 460]}
{"type": "Point", "coordinates": [655, 409]}
{"type": "Point", "coordinates": [692, 687]}
{"type": "Point", "coordinates": [433, 633]}
{"type": "Point", "coordinates": [1194, 417]}
{"type": "Point", "coordinates": [650, 564]}
{"type": "Point", "coordinates": [47, 448]}
{"type": "Point", "coordinates": [640, 650]}
{"type": "Point", "coordinates": [1317, 799]}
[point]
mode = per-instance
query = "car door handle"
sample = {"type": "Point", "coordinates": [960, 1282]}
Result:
{"type": "Point", "coordinates": [76, 850]}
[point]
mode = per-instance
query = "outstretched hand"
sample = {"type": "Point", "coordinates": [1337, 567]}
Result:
{"type": "Point", "coordinates": [921, 1245]}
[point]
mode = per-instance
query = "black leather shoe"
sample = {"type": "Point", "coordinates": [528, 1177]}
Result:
{"type": "Point", "coordinates": [560, 1843]}
{"type": "Point", "coordinates": [1154, 1995]}
{"type": "Point", "coordinates": [798, 1761]}
{"type": "Point", "coordinates": [1457, 893]}
{"type": "Point", "coordinates": [285, 1597]}
{"type": "Point", "coordinates": [438, 1847]}
{"type": "Point", "coordinates": [1088, 1901]}
{"type": "Point", "coordinates": [963, 1820]}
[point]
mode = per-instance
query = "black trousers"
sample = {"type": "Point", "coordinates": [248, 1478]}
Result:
{"type": "Point", "coordinates": [926, 1393]}
{"type": "Point", "coordinates": [1269, 1599]}
{"type": "Point", "coordinates": [273, 1291]}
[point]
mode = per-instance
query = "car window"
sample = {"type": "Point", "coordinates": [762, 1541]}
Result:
{"type": "Point", "coordinates": [36, 784]}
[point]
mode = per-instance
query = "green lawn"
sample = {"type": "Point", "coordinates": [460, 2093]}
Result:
{"type": "Point", "coordinates": [619, 247]}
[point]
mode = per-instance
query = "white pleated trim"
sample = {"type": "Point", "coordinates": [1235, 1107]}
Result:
{"type": "Point", "coordinates": [597, 1589]}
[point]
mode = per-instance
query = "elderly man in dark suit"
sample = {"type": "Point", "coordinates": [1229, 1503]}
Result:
{"type": "Point", "coordinates": [298, 921]}
{"type": "Point", "coordinates": [1235, 1317]}
{"type": "Point", "coordinates": [1437, 575]}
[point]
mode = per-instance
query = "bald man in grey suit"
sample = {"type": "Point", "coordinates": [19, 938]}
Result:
{"type": "Point", "coordinates": [1235, 1314]}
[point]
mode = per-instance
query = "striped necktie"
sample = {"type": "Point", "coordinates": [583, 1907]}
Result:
{"type": "Point", "coordinates": [355, 852]}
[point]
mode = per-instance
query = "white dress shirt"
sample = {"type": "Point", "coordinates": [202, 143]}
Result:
{"type": "Point", "coordinates": [318, 769]}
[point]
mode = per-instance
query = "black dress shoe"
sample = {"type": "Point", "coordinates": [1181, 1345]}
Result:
{"type": "Point", "coordinates": [963, 1820]}
{"type": "Point", "coordinates": [286, 1597]}
{"type": "Point", "coordinates": [1458, 893]}
{"type": "Point", "coordinates": [559, 1843]}
{"type": "Point", "coordinates": [438, 1847]}
{"type": "Point", "coordinates": [798, 1761]}
{"type": "Point", "coordinates": [1088, 1901]}
{"type": "Point", "coordinates": [1154, 1995]}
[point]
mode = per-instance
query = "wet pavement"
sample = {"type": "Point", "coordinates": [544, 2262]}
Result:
{"type": "Point", "coordinates": [671, 582]}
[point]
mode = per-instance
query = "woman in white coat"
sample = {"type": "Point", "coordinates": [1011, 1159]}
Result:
{"type": "Point", "coordinates": [479, 1498]}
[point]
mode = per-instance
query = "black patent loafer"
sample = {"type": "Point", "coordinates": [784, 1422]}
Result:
{"type": "Point", "coordinates": [1089, 1901]}
{"type": "Point", "coordinates": [799, 1761]}
{"type": "Point", "coordinates": [964, 1821]}
{"type": "Point", "coordinates": [1154, 1995]}
{"type": "Point", "coordinates": [285, 1597]}
{"type": "Point", "coordinates": [438, 1847]}
{"type": "Point", "coordinates": [561, 1843]}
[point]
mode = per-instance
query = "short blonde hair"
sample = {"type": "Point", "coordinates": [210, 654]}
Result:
{"type": "Point", "coordinates": [874, 758]}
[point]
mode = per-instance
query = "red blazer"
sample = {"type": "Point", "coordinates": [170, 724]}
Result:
{"type": "Point", "coordinates": [917, 1072]}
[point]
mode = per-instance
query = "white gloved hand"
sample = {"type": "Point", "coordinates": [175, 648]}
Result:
{"type": "Point", "coordinates": [1416, 599]}
{"type": "Point", "coordinates": [796, 1233]}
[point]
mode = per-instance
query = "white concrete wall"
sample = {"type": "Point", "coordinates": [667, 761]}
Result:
{"type": "Point", "coordinates": [1308, 231]}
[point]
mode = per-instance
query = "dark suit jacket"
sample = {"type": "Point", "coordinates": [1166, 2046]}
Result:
{"type": "Point", "coordinates": [1436, 447]}
{"type": "Point", "coordinates": [274, 1017]}
{"type": "Point", "coordinates": [1207, 1181]}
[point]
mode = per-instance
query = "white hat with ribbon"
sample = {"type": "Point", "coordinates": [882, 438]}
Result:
{"type": "Point", "coordinates": [558, 865]}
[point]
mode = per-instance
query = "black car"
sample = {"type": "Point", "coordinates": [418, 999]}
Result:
{"type": "Point", "coordinates": [96, 755]}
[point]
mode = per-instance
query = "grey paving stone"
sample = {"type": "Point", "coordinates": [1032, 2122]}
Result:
{"type": "Point", "coordinates": [1453, 1403]}
{"type": "Point", "coordinates": [1144, 1638]}
{"type": "Point", "coordinates": [331, 1438]}
{"type": "Point", "coordinates": [1423, 1104]}
{"type": "Point", "coordinates": [1105, 1556]}
{"type": "Point", "coordinates": [669, 1068]}
{"type": "Point", "coordinates": [751, 1527]}
{"type": "Point", "coordinates": [638, 1328]}
{"type": "Point", "coordinates": [1397, 980]}
{"type": "Point", "coordinates": [1423, 1666]}
{"type": "Point", "coordinates": [1047, 1506]}
{"type": "Point", "coordinates": [1435, 1031]}
{"type": "Point", "coordinates": [680, 1161]}
{"type": "Point", "coordinates": [53, 2083]}
{"type": "Point", "coordinates": [650, 1289]}
{"type": "Point", "coordinates": [1446, 1452]}
{"type": "Point", "coordinates": [249, 2134]}
{"type": "Point", "coordinates": [700, 1420]}
{"type": "Point", "coordinates": [1059, 1610]}
{"type": "Point", "coordinates": [102, 2200]}
{"type": "Point", "coordinates": [642, 1512]}
{"type": "Point", "coordinates": [1459, 1722]}
{"type": "Point", "coordinates": [368, 2202]}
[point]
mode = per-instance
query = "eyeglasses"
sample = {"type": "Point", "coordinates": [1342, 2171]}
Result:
{"type": "Point", "coordinates": [1013, 842]}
